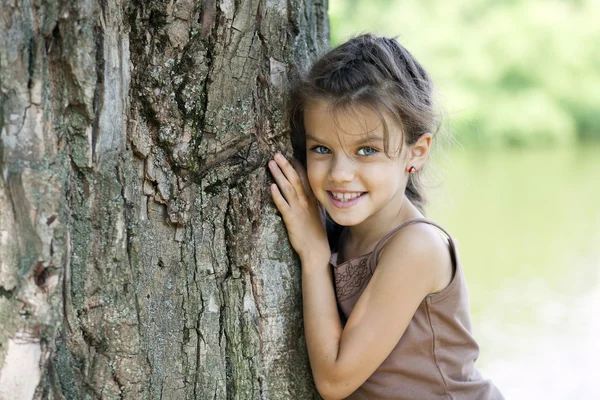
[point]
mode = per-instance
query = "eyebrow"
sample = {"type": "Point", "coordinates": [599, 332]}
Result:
{"type": "Point", "coordinates": [367, 139]}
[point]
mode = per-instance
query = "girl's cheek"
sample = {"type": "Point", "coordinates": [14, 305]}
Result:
{"type": "Point", "coordinates": [314, 180]}
{"type": "Point", "coordinates": [311, 179]}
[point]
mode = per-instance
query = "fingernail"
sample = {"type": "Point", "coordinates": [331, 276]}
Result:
{"type": "Point", "coordinates": [279, 156]}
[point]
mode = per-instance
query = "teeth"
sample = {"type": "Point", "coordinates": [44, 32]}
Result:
{"type": "Point", "coordinates": [345, 196]}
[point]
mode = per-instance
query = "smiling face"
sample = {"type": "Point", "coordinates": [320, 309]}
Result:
{"type": "Point", "coordinates": [347, 166]}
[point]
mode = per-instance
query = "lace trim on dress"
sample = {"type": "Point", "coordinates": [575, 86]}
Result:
{"type": "Point", "coordinates": [351, 279]}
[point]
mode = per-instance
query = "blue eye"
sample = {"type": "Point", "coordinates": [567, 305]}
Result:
{"type": "Point", "coordinates": [321, 150]}
{"type": "Point", "coordinates": [366, 151]}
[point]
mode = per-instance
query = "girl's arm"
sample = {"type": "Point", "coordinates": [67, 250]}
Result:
{"type": "Point", "coordinates": [409, 268]}
{"type": "Point", "coordinates": [414, 263]}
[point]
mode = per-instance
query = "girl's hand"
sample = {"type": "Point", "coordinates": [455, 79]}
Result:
{"type": "Point", "coordinates": [300, 210]}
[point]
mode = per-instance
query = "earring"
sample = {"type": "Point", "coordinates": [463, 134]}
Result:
{"type": "Point", "coordinates": [412, 169]}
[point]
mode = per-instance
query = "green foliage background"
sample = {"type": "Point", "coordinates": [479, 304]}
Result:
{"type": "Point", "coordinates": [511, 73]}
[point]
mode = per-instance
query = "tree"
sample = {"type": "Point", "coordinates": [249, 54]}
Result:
{"type": "Point", "coordinates": [140, 254]}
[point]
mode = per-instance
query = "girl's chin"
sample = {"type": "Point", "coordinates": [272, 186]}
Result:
{"type": "Point", "coordinates": [343, 220]}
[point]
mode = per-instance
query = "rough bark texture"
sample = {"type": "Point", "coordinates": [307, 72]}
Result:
{"type": "Point", "coordinates": [140, 255]}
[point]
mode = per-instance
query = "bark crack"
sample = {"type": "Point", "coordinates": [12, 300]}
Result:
{"type": "Point", "coordinates": [199, 336]}
{"type": "Point", "coordinates": [230, 388]}
{"type": "Point", "coordinates": [186, 318]}
{"type": "Point", "coordinates": [129, 209]}
{"type": "Point", "coordinates": [7, 294]}
{"type": "Point", "coordinates": [67, 278]}
{"type": "Point", "coordinates": [115, 378]}
{"type": "Point", "coordinates": [200, 127]}
{"type": "Point", "coordinates": [25, 111]}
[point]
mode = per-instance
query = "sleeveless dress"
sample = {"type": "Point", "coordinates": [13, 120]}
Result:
{"type": "Point", "coordinates": [435, 356]}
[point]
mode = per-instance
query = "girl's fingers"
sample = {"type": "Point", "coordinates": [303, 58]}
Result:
{"type": "Point", "coordinates": [303, 177]}
{"type": "Point", "coordinates": [283, 185]}
{"type": "Point", "coordinates": [290, 173]}
{"type": "Point", "coordinates": [278, 199]}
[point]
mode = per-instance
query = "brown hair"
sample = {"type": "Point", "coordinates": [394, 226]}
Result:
{"type": "Point", "coordinates": [376, 72]}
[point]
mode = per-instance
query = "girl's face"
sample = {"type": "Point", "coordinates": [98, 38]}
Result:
{"type": "Point", "coordinates": [348, 169]}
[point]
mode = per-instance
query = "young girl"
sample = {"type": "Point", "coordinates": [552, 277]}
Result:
{"type": "Point", "coordinates": [362, 123]}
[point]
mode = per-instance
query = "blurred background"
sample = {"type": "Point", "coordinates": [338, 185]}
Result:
{"type": "Point", "coordinates": [519, 187]}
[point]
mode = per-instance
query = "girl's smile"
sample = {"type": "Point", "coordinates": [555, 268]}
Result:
{"type": "Point", "coordinates": [342, 199]}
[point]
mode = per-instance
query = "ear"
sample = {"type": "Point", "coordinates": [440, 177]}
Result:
{"type": "Point", "coordinates": [419, 152]}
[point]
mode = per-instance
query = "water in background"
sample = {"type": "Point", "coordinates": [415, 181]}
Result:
{"type": "Point", "coordinates": [528, 229]}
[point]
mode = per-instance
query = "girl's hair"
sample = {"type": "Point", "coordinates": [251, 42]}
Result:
{"type": "Point", "coordinates": [371, 71]}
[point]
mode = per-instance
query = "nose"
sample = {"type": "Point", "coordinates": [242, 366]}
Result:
{"type": "Point", "coordinates": [341, 169]}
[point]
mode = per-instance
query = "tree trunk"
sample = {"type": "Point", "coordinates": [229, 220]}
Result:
{"type": "Point", "coordinates": [141, 256]}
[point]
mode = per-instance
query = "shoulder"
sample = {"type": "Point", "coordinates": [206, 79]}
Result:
{"type": "Point", "coordinates": [422, 248]}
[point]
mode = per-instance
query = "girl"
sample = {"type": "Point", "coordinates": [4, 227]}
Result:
{"type": "Point", "coordinates": [362, 123]}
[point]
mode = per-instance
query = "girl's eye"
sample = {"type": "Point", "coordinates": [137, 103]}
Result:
{"type": "Point", "coordinates": [321, 150]}
{"type": "Point", "coordinates": [366, 151]}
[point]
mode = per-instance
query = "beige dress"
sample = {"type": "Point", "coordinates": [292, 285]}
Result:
{"type": "Point", "coordinates": [435, 357]}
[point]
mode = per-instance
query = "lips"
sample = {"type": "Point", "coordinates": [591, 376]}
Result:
{"type": "Point", "coordinates": [345, 199]}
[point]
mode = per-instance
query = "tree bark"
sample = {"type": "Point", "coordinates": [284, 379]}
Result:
{"type": "Point", "coordinates": [140, 254]}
